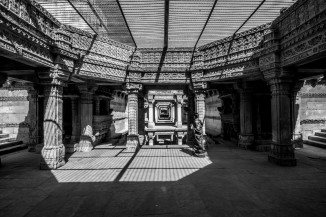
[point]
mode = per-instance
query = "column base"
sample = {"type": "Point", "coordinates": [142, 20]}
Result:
{"type": "Point", "coordinates": [132, 142]}
{"type": "Point", "coordinates": [71, 148]}
{"type": "Point", "coordinates": [85, 144]}
{"type": "Point", "coordinates": [52, 157]}
{"type": "Point", "coordinates": [282, 155]}
{"type": "Point", "coordinates": [246, 140]}
{"type": "Point", "coordinates": [180, 137]}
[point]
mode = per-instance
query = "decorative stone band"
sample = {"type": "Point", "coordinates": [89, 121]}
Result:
{"type": "Point", "coordinates": [313, 121]}
{"type": "Point", "coordinates": [309, 95]}
{"type": "Point", "coordinates": [13, 98]}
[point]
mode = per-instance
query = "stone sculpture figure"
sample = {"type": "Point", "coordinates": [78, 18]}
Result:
{"type": "Point", "coordinates": [198, 138]}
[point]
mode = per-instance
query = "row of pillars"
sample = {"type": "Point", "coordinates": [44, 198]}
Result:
{"type": "Point", "coordinates": [282, 151]}
{"type": "Point", "coordinates": [53, 151]}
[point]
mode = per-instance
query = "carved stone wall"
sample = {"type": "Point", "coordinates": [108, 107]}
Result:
{"type": "Point", "coordinates": [18, 114]}
{"type": "Point", "coordinates": [311, 105]}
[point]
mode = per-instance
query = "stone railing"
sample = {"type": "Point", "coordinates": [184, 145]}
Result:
{"type": "Point", "coordinates": [231, 50]}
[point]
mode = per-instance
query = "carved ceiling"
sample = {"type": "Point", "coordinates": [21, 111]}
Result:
{"type": "Point", "coordinates": [165, 23]}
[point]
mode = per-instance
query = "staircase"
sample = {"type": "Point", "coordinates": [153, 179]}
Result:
{"type": "Point", "coordinates": [8, 145]}
{"type": "Point", "coordinates": [318, 140]}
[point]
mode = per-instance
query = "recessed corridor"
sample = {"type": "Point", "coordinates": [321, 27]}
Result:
{"type": "Point", "coordinates": [109, 181]}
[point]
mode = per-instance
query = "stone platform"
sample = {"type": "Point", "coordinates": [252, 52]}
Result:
{"type": "Point", "coordinates": [110, 181]}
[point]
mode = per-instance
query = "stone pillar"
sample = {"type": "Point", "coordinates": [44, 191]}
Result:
{"type": "Point", "coordinates": [179, 108]}
{"type": "Point", "coordinates": [53, 151]}
{"type": "Point", "coordinates": [97, 105]}
{"type": "Point", "coordinates": [108, 108]}
{"type": "Point", "coordinates": [75, 122]}
{"type": "Point", "coordinates": [33, 118]}
{"type": "Point", "coordinates": [86, 118]}
{"type": "Point", "coordinates": [246, 137]}
{"type": "Point", "coordinates": [151, 123]}
{"type": "Point", "coordinates": [133, 136]}
{"type": "Point", "coordinates": [200, 106]}
{"type": "Point", "coordinates": [282, 152]}
{"type": "Point", "coordinates": [151, 136]}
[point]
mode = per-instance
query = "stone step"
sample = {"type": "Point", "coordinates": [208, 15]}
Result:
{"type": "Point", "coordinates": [323, 130]}
{"type": "Point", "coordinates": [320, 134]}
{"type": "Point", "coordinates": [10, 143]}
{"type": "Point", "coordinates": [315, 143]}
{"type": "Point", "coordinates": [3, 135]}
{"type": "Point", "coordinates": [4, 140]}
{"type": "Point", "coordinates": [317, 138]}
{"type": "Point", "coordinates": [12, 149]}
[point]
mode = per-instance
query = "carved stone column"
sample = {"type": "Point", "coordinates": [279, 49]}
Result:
{"type": "Point", "coordinates": [282, 151]}
{"type": "Point", "coordinates": [75, 133]}
{"type": "Point", "coordinates": [246, 137]}
{"type": "Point", "coordinates": [179, 108]}
{"type": "Point", "coordinates": [97, 105]}
{"type": "Point", "coordinates": [151, 123]}
{"type": "Point", "coordinates": [86, 118]}
{"type": "Point", "coordinates": [133, 136]}
{"type": "Point", "coordinates": [53, 152]}
{"type": "Point", "coordinates": [200, 106]}
{"type": "Point", "coordinates": [33, 118]}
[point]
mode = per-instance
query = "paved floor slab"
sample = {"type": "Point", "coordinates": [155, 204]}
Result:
{"type": "Point", "coordinates": [110, 181]}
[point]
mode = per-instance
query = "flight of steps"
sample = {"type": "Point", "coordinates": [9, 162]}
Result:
{"type": "Point", "coordinates": [8, 145]}
{"type": "Point", "coordinates": [318, 140]}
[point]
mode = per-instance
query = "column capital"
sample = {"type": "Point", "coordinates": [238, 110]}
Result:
{"type": "Point", "coordinates": [200, 94]}
{"type": "Point", "coordinates": [51, 76]}
{"type": "Point", "coordinates": [133, 87]}
{"type": "Point", "coordinates": [87, 87]}
{"type": "Point", "coordinates": [200, 85]}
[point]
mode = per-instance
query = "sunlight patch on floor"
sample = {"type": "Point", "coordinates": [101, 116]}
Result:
{"type": "Point", "coordinates": [119, 165]}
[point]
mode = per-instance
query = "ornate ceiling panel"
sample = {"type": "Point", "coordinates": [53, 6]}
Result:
{"type": "Point", "coordinates": [146, 21]}
{"type": "Point", "coordinates": [186, 21]}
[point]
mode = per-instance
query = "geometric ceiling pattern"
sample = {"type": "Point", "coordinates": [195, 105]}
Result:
{"type": "Point", "coordinates": [170, 23]}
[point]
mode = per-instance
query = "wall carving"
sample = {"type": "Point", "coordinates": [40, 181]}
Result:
{"type": "Point", "coordinates": [29, 32]}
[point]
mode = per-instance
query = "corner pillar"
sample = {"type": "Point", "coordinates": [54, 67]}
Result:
{"type": "Point", "coordinates": [282, 152]}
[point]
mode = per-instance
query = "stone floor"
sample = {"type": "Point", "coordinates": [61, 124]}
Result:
{"type": "Point", "coordinates": [110, 181]}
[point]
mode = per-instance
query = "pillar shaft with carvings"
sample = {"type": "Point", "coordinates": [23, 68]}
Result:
{"type": "Point", "coordinates": [179, 110]}
{"type": "Point", "coordinates": [75, 120]}
{"type": "Point", "coordinates": [86, 118]}
{"type": "Point", "coordinates": [33, 118]}
{"type": "Point", "coordinates": [151, 123]}
{"type": "Point", "coordinates": [200, 106]}
{"type": "Point", "coordinates": [282, 151]}
{"type": "Point", "coordinates": [133, 136]}
{"type": "Point", "coordinates": [53, 151]}
{"type": "Point", "coordinates": [246, 137]}
{"type": "Point", "coordinates": [97, 105]}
